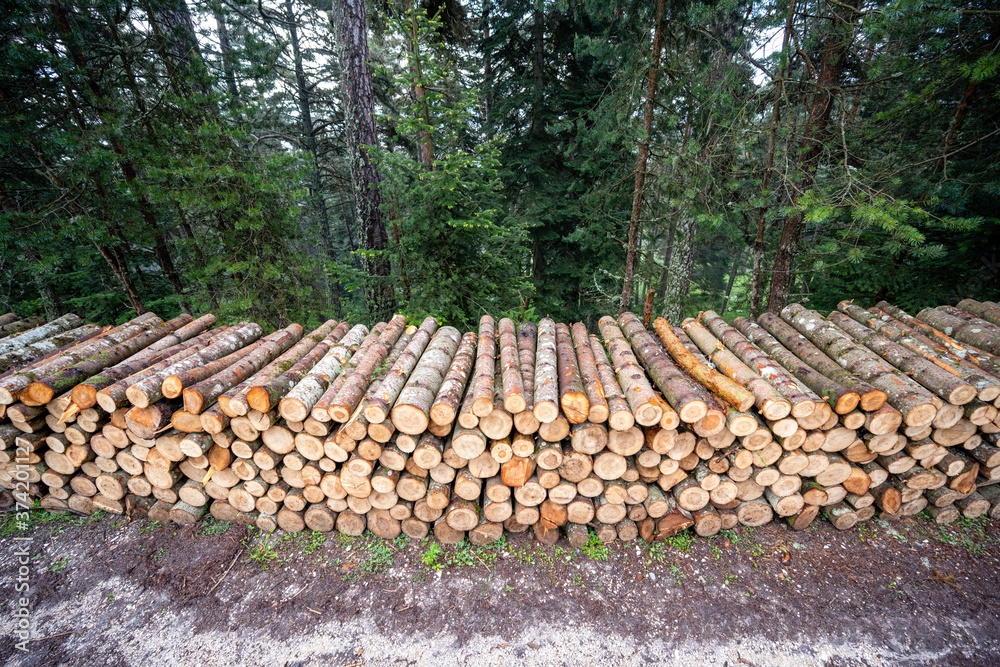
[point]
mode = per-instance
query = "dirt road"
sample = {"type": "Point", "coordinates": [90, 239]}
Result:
{"type": "Point", "coordinates": [114, 592]}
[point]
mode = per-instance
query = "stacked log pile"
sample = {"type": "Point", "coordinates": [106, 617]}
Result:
{"type": "Point", "coordinates": [515, 427]}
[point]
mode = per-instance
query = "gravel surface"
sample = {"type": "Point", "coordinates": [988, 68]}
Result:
{"type": "Point", "coordinates": [116, 592]}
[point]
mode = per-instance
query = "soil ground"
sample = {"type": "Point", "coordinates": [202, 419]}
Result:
{"type": "Point", "coordinates": [109, 591]}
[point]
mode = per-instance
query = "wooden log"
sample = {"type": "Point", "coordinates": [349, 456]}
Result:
{"type": "Point", "coordinates": [620, 416]}
{"type": "Point", "coordinates": [572, 393]}
{"type": "Point", "coordinates": [511, 381]}
{"type": "Point", "coordinates": [149, 389]}
{"type": "Point", "coordinates": [412, 411]}
{"type": "Point", "coordinates": [304, 384]}
{"type": "Point", "coordinates": [636, 388]}
{"type": "Point", "coordinates": [987, 385]}
{"type": "Point", "coordinates": [969, 330]}
{"type": "Point", "coordinates": [527, 335]}
{"type": "Point", "coordinates": [771, 404]}
{"type": "Point", "coordinates": [933, 377]}
{"type": "Point", "coordinates": [546, 380]}
{"type": "Point", "coordinates": [598, 410]}
{"type": "Point", "coordinates": [984, 311]}
{"type": "Point", "coordinates": [444, 407]}
{"type": "Point", "coordinates": [126, 343]}
{"type": "Point", "coordinates": [378, 407]}
{"type": "Point", "coordinates": [870, 398]}
{"type": "Point", "coordinates": [914, 401]}
{"type": "Point", "coordinates": [482, 386]}
{"type": "Point", "coordinates": [674, 386]}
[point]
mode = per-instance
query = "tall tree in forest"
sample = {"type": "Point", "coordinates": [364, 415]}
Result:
{"type": "Point", "coordinates": [359, 113]}
{"type": "Point", "coordinates": [462, 256]}
{"type": "Point", "coordinates": [640, 169]}
{"type": "Point", "coordinates": [833, 46]}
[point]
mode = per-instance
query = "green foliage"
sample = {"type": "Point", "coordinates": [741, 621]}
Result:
{"type": "Point", "coordinates": [458, 256]}
{"type": "Point", "coordinates": [595, 549]}
{"type": "Point", "coordinates": [212, 527]}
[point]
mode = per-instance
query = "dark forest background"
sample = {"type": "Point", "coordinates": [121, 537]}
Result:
{"type": "Point", "coordinates": [293, 160]}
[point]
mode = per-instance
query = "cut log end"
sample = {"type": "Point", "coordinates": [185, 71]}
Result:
{"type": "Point", "coordinates": [514, 404]}
{"type": "Point", "coordinates": [846, 403]}
{"type": "Point", "coordinates": [338, 413]}
{"type": "Point", "coordinates": [37, 394]}
{"type": "Point", "coordinates": [292, 409]}
{"type": "Point", "coordinates": [695, 410]}
{"type": "Point", "coordinates": [920, 415]}
{"type": "Point", "coordinates": [576, 407]}
{"type": "Point", "coordinates": [135, 396]}
{"type": "Point", "coordinates": [482, 406]}
{"type": "Point", "coordinates": [546, 412]}
{"type": "Point", "coordinates": [962, 394]}
{"type": "Point", "coordinates": [409, 419]}
{"type": "Point", "coordinates": [172, 387]}
{"type": "Point", "coordinates": [258, 399]}
{"type": "Point", "coordinates": [871, 400]}
{"type": "Point", "coordinates": [649, 414]}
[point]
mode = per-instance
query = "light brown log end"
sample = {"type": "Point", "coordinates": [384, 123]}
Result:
{"type": "Point", "coordinates": [258, 399]}
{"type": "Point", "coordinates": [847, 402]}
{"type": "Point", "coordinates": [526, 423]}
{"type": "Point", "coordinates": [194, 402]}
{"type": "Point", "coordinates": [621, 420]}
{"type": "Point", "coordinates": [962, 394]}
{"type": "Point", "coordinates": [546, 411]}
{"type": "Point", "coordinates": [338, 413]}
{"type": "Point", "coordinates": [872, 400]}
{"type": "Point", "coordinates": [84, 396]}
{"type": "Point", "coordinates": [920, 415]}
{"type": "Point", "coordinates": [37, 394]}
{"type": "Point", "coordinates": [172, 387]}
{"type": "Point", "coordinates": [375, 414]}
{"type": "Point", "coordinates": [803, 409]}
{"type": "Point", "coordinates": [775, 410]}
{"type": "Point", "coordinates": [514, 404]}
{"type": "Point", "coordinates": [292, 409]}
{"type": "Point", "coordinates": [482, 406]}
{"type": "Point", "coordinates": [410, 420]}
{"type": "Point", "coordinates": [695, 410]}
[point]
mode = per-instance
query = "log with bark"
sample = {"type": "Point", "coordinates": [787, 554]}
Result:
{"type": "Point", "coordinates": [396, 378]}
{"type": "Point", "coordinates": [203, 394]}
{"type": "Point", "coordinates": [942, 382]}
{"type": "Point", "coordinates": [303, 385]}
{"type": "Point", "coordinates": [481, 385]}
{"type": "Point", "coordinates": [412, 410]}
{"type": "Point", "coordinates": [572, 394]}
{"type": "Point", "coordinates": [987, 385]}
{"type": "Point", "coordinates": [770, 403]}
{"type": "Point", "coordinates": [970, 330]}
{"type": "Point", "coordinates": [803, 401]}
{"type": "Point", "coordinates": [355, 386]}
{"type": "Point", "coordinates": [915, 402]}
{"type": "Point", "coordinates": [512, 382]}
{"type": "Point", "coordinates": [722, 386]}
{"type": "Point", "coordinates": [870, 398]}
{"type": "Point", "coordinates": [546, 401]}
{"type": "Point", "coordinates": [149, 389]}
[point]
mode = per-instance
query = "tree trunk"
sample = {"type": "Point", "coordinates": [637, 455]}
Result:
{"type": "Point", "coordinates": [756, 288]}
{"type": "Point", "coordinates": [834, 50]}
{"type": "Point", "coordinates": [359, 112]}
{"type": "Point", "coordinates": [643, 158]}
